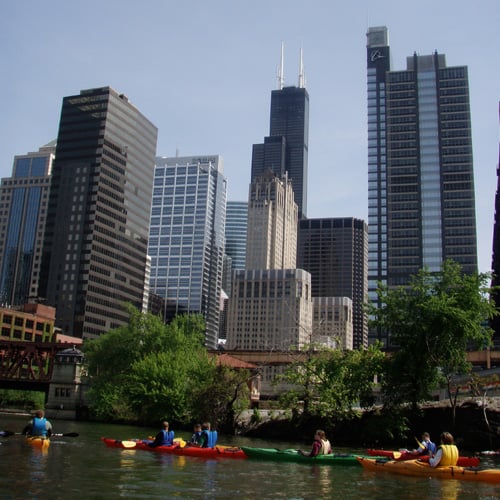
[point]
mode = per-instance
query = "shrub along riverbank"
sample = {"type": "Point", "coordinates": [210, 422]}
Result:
{"type": "Point", "coordinates": [476, 427]}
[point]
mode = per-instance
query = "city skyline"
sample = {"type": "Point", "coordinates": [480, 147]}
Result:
{"type": "Point", "coordinates": [172, 70]}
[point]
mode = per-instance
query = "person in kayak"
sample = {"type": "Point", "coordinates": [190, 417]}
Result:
{"type": "Point", "coordinates": [164, 438]}
{"type": "Point", "coordinates": [446, 454]}
{"type": "Point", "coordinates": [208, 438]}
{"type": "Point", "coordinates": [196, 438]}
{"type": "Point", "coordinates": [426, 447]}
{"type": "Point", "coordinates": [320, 446]}
{"type": "Point", "coordinates": [38, 425]}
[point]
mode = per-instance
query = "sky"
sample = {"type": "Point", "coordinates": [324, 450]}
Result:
{"type": "Point", "coordinates": [203, 70]}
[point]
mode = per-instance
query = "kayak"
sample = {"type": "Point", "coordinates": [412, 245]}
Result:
{"type": "Point", "coordinates": [406, 455]}
{"type": "Point", "coordinates": [294, 456]}
{"type": "Point", "coordinates": [39, 442]}
{"type": "Point", "coordinates": [218, 451]}
{"type": "Point", "coordinates": [417, 468]}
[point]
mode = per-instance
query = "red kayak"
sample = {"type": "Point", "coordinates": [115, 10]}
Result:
{"type": "Point", "coordinates": [406, 455]}
{"type": "Point", "coordinates": [178, 448]}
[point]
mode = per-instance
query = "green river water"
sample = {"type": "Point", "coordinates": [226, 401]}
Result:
{"type": "Point", "coordinates": [84, 468]}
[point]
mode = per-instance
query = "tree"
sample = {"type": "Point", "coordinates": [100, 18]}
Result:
{"type": "Point", "coordinates": [334, 381]}
{"type": "Point", "coordinates": [144, 370]}
{"type": "Point", "coordinates": [432, 322]}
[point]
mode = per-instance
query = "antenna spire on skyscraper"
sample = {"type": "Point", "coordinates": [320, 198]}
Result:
{"type": "Point", "coordinates": [281, 74]}
{"type": "Point", "coordinates": [302, 76]}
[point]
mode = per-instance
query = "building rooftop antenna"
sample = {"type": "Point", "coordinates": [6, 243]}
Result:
{"type": "Point", "coordinates": [281, 74]}
{"type": "Point", "coordinates": [302, 76]}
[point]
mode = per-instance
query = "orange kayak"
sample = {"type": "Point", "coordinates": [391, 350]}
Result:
{"type": "Point", "coordinates": [42, 443]}
{"type": "Point", "coordinates": [405, 455]}
{"type": "Point", "coordinates": [418, 468]}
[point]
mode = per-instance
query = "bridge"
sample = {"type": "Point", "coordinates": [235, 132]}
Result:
{"type": "Point", "coordinates": [28, 365]}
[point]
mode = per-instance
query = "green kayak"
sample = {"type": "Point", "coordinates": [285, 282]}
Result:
{"type": "Point", "coordinates": [295, 456]}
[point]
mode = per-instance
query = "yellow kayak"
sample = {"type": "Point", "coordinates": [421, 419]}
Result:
{"type": "Point", "coordinates": [40, 442]}
{"type": "Point", "coordinates": [418, 468]}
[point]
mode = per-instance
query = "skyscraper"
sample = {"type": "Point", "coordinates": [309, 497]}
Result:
{"type": "Point", "coordinates": [286, 147]}
{"type": "Point", "coordinates": [335, 252]}
{"type": "Point", "coordinates": [186, 241]}
{"type": "Point", "coordinates": [23, 210]}
{"type": "Point", "coordinates": [421, 206]}
{"type": "Point", "coordinates": [95, 245]}
{"type": "Point", "coordinates": [236, 232]}
{"type": "Point", "coordinates": [272, 223]}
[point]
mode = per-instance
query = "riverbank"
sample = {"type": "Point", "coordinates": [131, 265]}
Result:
{"type": "Point", "coordinates": [476, 425]}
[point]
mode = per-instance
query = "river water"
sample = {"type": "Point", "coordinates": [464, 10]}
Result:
{"type": "Point", "coordinates": [84, 468]}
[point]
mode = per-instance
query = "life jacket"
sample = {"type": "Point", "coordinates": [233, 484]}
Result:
{"type": "Point", "coordinates": [431, 448]}
{"type": "Point", "coordinates": [449, 455]}
{"type": "Point", "coordinates": [168, 438]}
{"type": "Point", "coordinates": [325, 447]}
{"type": "Point", "coordinates": [211, 440]}
{"type": "Point", "coordinates": [39, 427]}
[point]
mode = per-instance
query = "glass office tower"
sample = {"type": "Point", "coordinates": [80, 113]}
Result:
{"type": "Point", "coordinates": [23, 210]}
{"type": "Point", "coordinates": [95, 245]}
{"type": "Point", "coordinates": [335, 252]}
{"type": "Point", "coordinates": [421, 203]}
{"type": "Point", "coordinates": [236, 232]}
{"type": "Point", "coordinates": [186, 242]}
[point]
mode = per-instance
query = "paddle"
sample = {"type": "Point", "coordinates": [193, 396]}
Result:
{"type": "Point", "coordinates": [420, 445]}
{"type": "Point", "coordinates": [10, 433]}
{"type": "Point", "coordinates": [129, 444]}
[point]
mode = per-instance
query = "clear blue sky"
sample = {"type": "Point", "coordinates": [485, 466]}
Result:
{"type": "Point", "coordinates": [202, 71]}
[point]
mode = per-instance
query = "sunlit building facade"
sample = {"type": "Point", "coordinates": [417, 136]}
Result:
{"type": "Point", "coordinates": [421, 202]}
{"type": "Point", "coordinates": [187, 237]}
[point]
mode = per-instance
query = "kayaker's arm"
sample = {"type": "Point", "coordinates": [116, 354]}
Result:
{"type": "Point", "coordinates": [434, 461]}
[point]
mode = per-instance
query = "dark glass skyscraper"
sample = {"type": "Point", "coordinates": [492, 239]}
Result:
{"type": "Point", "coordinates": [421, 204]}
{"type": "Point", "coordinates": [286, 147]}
{"type": "Point", "coordinates": [335, 252]}
{"type": "Point", "coordinates": [96, 236]}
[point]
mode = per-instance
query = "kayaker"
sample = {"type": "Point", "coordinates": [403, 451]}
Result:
{"type": "Point", "coordinates": [426, 447]}
{"type": "Point", "coordinates": [208, 438]}
{"type": "Point", "coordinates": [38, 425]}
{"type": "Point", "coordinates": [320, 446]}
{"type": "Point", "coordinates": [164, 438]}
{"type": "Point", "coordinates": [446, 454]}
{"type": "Point", "coordinates": [196, 438]}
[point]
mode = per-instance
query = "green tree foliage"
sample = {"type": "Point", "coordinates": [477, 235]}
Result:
{"type": "Point", "coordinates": [222, 393]}
{"type": "Point", "coordinates": [432, 322]}
{"type": "Point", "coordinates": [145, 370]}
{"type": "Point", "coordinates": [332, 382]}
{"type": "Point", "coordinates": [26, 400]}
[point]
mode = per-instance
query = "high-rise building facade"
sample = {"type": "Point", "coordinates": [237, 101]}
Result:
{"type": "Point", "coordinates": [286, 148]}
{"type": "Point", "coordinates": [95, 245]}
{"type": "Point", "coordinates": [23, 211]}
{"type": "Point", "coordinates": [272, 223]}
{"type": "Point", "coordinates": [236, 232]}
{"type": "Point", "coordinates": [421, 204]}
{"type": "Point", "coordinates": [335, 252]}
{"type": "Point", "coordinates": [270, 309]}
{"type": "Point", "coordinates": [186, 241]}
